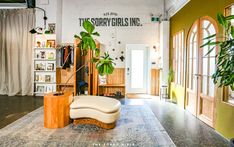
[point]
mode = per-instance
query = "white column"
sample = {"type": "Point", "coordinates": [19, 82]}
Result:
{"type": "Point", "coordinates": [164, 51]}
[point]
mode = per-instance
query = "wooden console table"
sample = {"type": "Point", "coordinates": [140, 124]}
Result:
{"type": "Point", "coordinates": [57, 110]}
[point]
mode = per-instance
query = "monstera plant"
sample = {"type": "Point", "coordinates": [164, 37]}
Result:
{"type": "Point", "coordinates": [104, 64]}
{"type": "Point", "coordinates": [224, 74]}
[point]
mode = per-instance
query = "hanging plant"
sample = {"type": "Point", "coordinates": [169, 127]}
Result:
{"type": "Point", "coordinates": [224, 74]}
{"type": "Point", "coordinates": [104, 64]}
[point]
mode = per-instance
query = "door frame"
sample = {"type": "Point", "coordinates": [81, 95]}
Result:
{"type": "Point", "coordinates": [199, 68]}
{"type": "Point", "coordinates": [147, 78]}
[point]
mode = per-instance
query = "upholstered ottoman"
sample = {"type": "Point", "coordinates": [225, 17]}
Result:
{"type": "Point", "coordinates": [96, 110]}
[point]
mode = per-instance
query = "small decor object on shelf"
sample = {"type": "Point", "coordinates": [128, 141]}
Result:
{"type": "Point", "coordinates": [38, 44]}
{"type": "Point", "coordinates": [50, 43]}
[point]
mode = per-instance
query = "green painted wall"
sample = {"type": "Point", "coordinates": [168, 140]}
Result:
{"type": "Point", "coordinates": [184, 19]}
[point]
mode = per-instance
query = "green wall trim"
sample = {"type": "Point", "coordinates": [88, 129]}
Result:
{"type": "Point", "coordinates": [224, 122]}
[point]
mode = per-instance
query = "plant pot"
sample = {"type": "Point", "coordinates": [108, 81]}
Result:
{"type": "Point", "coordinates": [232, 142]}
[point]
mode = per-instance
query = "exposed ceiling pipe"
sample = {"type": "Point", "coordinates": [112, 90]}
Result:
{"type": "Point", "coordinates": [165, 12]}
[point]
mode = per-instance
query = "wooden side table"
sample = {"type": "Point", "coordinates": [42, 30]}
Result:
{"type": "Point", "coordinates": [57, 110]}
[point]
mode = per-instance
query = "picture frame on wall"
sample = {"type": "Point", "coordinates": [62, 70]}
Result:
{"type": "Point", "coordinates": [51, 28]}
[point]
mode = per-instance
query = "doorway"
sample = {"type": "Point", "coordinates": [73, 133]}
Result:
{"type": "Point", "coordinates": [136, 68]}
{"type": "Point", "coordinates": [200, 90]}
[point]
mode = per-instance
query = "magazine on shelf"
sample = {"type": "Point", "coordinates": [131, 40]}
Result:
{"type": "Point", "coordinates": [50, 55]}
{"type": "Point", "coordinates": [40, 65]}
{"type": "Point", "coordinates": [49, 88]}
{"type": "Point", "coordinates": [50, 66]}
{"type": "Point", "coordinates": [40, 88]}
{"type": "Point", "coordinates": [48, 78]}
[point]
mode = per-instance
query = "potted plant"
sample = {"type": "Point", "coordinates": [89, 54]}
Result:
{"type": "Point", "coordinates": [104, 64]}
{"type": "Point", "coordinates": [170, 78]}
{"type": "Point", "coordinates": [224, 74]}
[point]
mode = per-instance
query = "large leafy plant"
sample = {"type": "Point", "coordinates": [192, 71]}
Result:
{"type": "Point", "coordinates": [104, 64]}
{"type": "Point", "coordinates": [224, 74]}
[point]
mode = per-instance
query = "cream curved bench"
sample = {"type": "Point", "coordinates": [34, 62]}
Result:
{"type": "Point", "coordinates": [96, 110]}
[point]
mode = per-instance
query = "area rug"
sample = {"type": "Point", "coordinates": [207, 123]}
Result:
{"type": "Point", "coordinates": [136, 127]}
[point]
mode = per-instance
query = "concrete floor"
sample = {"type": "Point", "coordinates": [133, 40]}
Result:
{"type": "Point", "coordinates": [184, 129]}
{"type": "Point", "coordinates": [14, 107]}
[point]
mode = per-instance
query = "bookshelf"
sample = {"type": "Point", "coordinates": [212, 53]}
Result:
{"type": "Point", "coordinates": [44, 66]}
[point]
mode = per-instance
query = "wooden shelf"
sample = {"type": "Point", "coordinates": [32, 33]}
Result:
{"type": "Point", "coordinates": [112, 85]}
{"type": "Point", "coordinates": [63, 84]}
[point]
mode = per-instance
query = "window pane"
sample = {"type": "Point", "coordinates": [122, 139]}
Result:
{"type": "Point", "coordinates": [204, 85]}
{"type": "Point", "coordinates": [205, 24]}
{"type": "Point", "coordinates": [211, 87]}
{"type": "Point", "coordinates": [195, 66]}
{"type": "Point", "coordinates": [212, 65]}
{"type": "Point", "coordinates": [204, 66]}
{"type": "Point", "coordinates": [195, 50]}
{"type": "Point", "coordinates": [191, 50]}
{"type": "Point", "coordinates": [137, 71]}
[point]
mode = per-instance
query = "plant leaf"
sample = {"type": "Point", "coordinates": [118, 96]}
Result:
{"type": "Point", "coordinates": [232, 31]}
{"type": "Point", "coordinates": [96, 34]}
{"type": "Point", "coordinates": [97, 52]}
{"type": "Point", "coordinates": [222, 20]}
{"type": "Point", "coordinates": [209, 37]}
{"type": "Point", "coordinates": [88, 26]}
{"type": "Point", "coordinates": [229, 17]}
{"type": "Point", "coordinates": [92, 43]}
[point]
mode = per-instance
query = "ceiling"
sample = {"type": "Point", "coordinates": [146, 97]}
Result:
{"type": "Point", "coordinates": [12, 1]}
{"type": "Point", "coordinates": [173, 6]}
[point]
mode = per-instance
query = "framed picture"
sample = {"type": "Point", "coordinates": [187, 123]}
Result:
{"type": "Point", "coordinates": [51, 27]}
{"type": "Point", "coordinates": [40, 66]}
{"type": "Point", "coordinates": [49, 88]}
{"type": "Point", "coordinates": [50, 43]}
{"type": "Point", "coordinates": [50, 55]}
{"type": "Point", "coordinates": [40, 88]}
{"type": "Point", "coordinates": [50, 66]}
{"type": "Point", "coordinates": [37, 78]}
{"type": "Point", "coordinates": [43, 54]}
{"type": "Point", "coordinates": [48, 78]}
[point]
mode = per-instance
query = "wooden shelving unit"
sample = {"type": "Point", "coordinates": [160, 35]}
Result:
{"type": "Point", "coordinates": [114, 82]}
{"type": "Point", "coordinates": [44, 66]}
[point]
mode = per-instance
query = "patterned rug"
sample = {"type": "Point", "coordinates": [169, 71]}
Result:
{"type": "Point", "coordinates": [136, 127]}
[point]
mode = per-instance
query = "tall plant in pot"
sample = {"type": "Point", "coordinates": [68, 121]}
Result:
{"type": "Point", "coordinates": [104, 64]}
{"type": "Point", "coordinates": [224, 74]}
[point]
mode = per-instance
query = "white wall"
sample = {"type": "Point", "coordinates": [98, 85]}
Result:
{"type": "Point", "coordinates": [66, 14]}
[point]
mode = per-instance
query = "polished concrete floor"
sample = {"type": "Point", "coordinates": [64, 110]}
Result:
{"type": "Point", "coordinates": [184, 129]}
{"type": "Point", "coordinates": [14, 107]}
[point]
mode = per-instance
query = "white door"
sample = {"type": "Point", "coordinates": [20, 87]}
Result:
{"type": "Point", "coordinates": [136, 68]}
